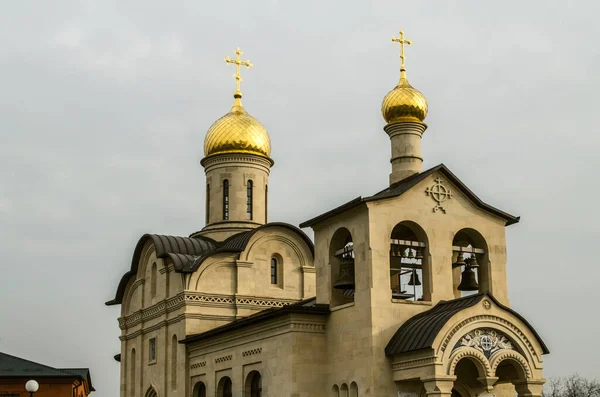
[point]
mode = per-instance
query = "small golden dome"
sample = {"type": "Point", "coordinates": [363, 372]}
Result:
{"type": "Point", "coordinates": [237, 132]}
{"type": "Point", "coordinates": [404, 103]}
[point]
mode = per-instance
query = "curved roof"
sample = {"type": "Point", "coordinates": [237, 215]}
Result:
{"type": "Point", "coordinates": [164, 245]}
{"type": "Point", "coordinates": [188, 253]}
{"type": "Point", "coordinates": [420, 331]}
{"type": "Point", "coordinates": [239, 242]}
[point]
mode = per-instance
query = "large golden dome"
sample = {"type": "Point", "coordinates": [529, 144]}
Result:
{"type": "Point", "coordinates": [404, 103]}
{"type": "Point", "coordinates": [237, 132]}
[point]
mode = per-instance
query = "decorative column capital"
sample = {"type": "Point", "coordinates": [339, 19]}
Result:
{"type": "Point", "coordinates": [530, 387]}
{"type": "Point", "coordinates": [439, 386]}
{"type": "Point", "coordinates": [488, 382]}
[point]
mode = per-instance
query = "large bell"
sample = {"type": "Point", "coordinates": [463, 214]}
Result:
{"type": "Point", "coordinates": [346, 275]}
{"type": "Point", "coordinates": [414, 279]}
{"type": "Point", "coordinates": [468, 282]}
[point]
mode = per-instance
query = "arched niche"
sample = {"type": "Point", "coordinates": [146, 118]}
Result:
{"type": "Point", "coordinates": [410, 268]}
{"type": "Point", "coordinates": [253, 385]}
{"type": "Point", "coordinates": [470, 254]}
{"type": "Point", "coordinates": [335, 391]}
{"type": "Point", "coordinates": [344, 390]}
{"type": "Point", "coordinates": [341, 262]}
{"type": "Point", "coordinates": [353, 389]}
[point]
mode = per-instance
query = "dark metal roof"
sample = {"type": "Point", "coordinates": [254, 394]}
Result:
{"type": "Point", "coordinates": [307, 306]}
{"type": "Point", "coordinates": [117, 357]}
{"type": "Point", "coordinates": [420, 331]}
{"type": "Point", "coordinates": [16, 367]}
{"type": "Point", "coordinates": [188, 253]}
{"type": "Point", "coordinates": [406, 184]}
{"type": "Point", "coordinates": [164, 245]}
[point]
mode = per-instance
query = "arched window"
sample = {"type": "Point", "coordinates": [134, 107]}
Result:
{"type": "Point", "coordinates": [151, 392]}
{"type": "Point", "coordinates": [226, 199]}
{"type": "Point", "coordinates": [174, 362]}
{"type": "Point", "coordinates": [253, 386]}
{"type": "Point", "coordinates": [274, 270]}
{"type": "Point", "coordinates": [132, 373]}
{"type": "Point", "coordinates": [153, 276]}
{"type": "Point", "coordinates": [207, 202]}
{"type": "Point", "coordinates": [199, 390]}
{"type": "Point", "coordinates": [224, 389]}
{"type": "Point", "coordinates": [249, 186]}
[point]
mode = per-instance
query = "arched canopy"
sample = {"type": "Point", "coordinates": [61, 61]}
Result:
{"type": "Point", "coordinates": [419, 332]}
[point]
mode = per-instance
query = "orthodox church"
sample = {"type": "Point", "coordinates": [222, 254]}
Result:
{"type": "Point", "coordinates": [402, 293]}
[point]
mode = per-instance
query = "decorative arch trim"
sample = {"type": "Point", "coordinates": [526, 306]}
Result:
{"type": "Point", "coordinates": [479, 359]}
{"type": "Point", "coordinates": [513, 356]}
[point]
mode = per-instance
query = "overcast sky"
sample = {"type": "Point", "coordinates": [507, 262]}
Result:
{"type": "Point", "coordinates": [104, 106]}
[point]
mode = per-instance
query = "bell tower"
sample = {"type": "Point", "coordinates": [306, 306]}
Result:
{"type": "Point", "coordinates": [404, 108]}
{"type": "Point", "coordinates": [237, 164]}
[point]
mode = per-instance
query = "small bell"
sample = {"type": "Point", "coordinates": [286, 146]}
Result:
{"type": "Point", "coordinates": [460, 260]}
{"type": "Point", "coordinates": [468, 281]}
{"type": "Point", "coordinates": [472, 261]}
{"type": "Point", "coordinates": [346, 275]}
{"type": "Point", "coordinates": [414, 279]}
{"type": "Point", "coordinates": [419, 255]}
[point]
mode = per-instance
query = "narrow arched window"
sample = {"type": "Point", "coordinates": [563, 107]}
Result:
{"type": "Point", "coordinates": [153, 276]}
{"type": "Point", "coordinates": [225, 199]}
{"type": "Point", "coordinates": [207, 203]}
{"type": "Point", "coordinates": [249, 186]}
{"type": "Point", "coordinates": [266, 201]}
{"type": "Point", "coordinates": [273, 270]}
{"type": "Point", "coordinates": [174, 362]}
{"type": "Point", "coordinates": [132, 372]}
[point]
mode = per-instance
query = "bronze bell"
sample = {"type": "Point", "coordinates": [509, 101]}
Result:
{"type": "Point", "coordinates": [468, 282]}
{"type": "Point", "coordinates": [346, 275]}
{"type": "Point", "coordinates": [460, 260]}
{"type": "Point", "coordinates": [414, 279]}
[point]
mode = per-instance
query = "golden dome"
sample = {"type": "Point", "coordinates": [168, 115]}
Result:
{"type": "Point", "coordinates": [404, 103]}
{"type": "Point", "coordinates": [237, 132]}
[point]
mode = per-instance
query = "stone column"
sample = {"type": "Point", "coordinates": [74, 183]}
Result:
{"type": "Point", "coordinates": [406, 158]}
{"type": "Point", "coordinates": [439, 387]}
{"type": "Point", "coordinates": [530, 387]}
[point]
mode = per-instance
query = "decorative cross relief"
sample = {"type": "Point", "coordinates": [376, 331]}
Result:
{"type": "Point", "coordinates": [439, 193]}
{"type": "Point", "coordinates": [487, 341]}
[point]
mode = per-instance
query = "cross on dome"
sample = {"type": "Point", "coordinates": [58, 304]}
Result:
{"type": "Point", "coordinates": [238, 64]}
{"type": "Point", "coordinates": [401, 41]}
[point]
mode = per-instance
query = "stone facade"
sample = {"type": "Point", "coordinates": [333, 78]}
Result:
{"type": "Point", "coordinates": [376, 307]}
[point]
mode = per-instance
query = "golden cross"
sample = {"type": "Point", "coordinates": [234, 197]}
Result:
{"type": "Point", "coordinates": [238, 63]}
{"type": "Point", "coordinates": [401, 41]}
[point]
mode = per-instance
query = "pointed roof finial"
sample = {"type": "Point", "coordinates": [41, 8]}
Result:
{"type": "Point", "coordinates": [238, 63]}
{"type": "Point", "coordinates": [402, 41]}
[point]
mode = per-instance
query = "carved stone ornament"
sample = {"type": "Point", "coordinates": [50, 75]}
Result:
{"type": "Point", "coordinates": [487, 341]}
{"type": "Point", "coordinates": [439, 193]}
{"type": "Point", "coordinates": [486, 304]}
